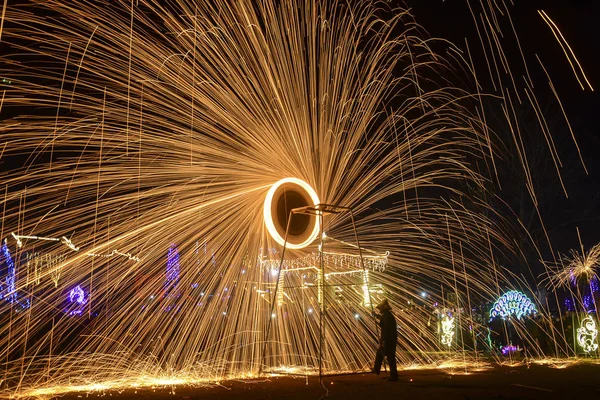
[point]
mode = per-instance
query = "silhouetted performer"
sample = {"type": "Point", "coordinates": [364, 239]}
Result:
{"type": "Point", "coordinates": [387, 343]}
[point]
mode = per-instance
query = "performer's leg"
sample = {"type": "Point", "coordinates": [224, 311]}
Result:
{"type": "Point", "coordinates": [391, 359]}
{"type": "Point", "coordinates": [378, 361]}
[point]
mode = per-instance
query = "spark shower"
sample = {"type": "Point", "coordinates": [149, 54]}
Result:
{"type": "Point", "coordinates": [140, 140]}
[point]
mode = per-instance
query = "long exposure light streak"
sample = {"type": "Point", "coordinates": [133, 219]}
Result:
{"type": "Point", "coordinates": [139, 125]}
{"type": "Point", "coordinates": [570, 55]}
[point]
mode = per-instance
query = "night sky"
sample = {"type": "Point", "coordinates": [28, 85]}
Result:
{"type": "Point", "coordinates": [578, 22]}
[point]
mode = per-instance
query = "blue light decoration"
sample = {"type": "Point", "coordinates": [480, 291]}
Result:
{"type": "Point", "coordinates": [172, 273]}
{"type": "Point", "coordinates": [77, 300]}
{"type": "Point", "coordinates": [8, 289]}
{"type": "Point", "coordinates": [588, 303]}
{"type": "Point", "coordinates": [594, 284]}
{"type": "Point", "coordinates": [506, 350]}
{"type": "Point", "coordinates": [512, 303]}
{"type": "Point", "coordinates": [569, 306]}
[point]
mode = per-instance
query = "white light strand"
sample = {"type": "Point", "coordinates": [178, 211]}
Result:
{"type": "Point", "coordinates": [67, 242]}
{"type": "Point", "coordinates": [374, 263]}
{"type": "Point", "coordinates": [115, 253]}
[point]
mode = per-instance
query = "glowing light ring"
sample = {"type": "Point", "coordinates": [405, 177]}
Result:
{"type": "Point", "coordinates": [587, 334]}
{"type": "Point", "coordinates": [512, 303]}
{"type": "Point", "coordinates": [269, 218]}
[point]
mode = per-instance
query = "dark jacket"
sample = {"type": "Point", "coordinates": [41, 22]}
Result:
{"type": "Point", "coordinates": [389, 332]}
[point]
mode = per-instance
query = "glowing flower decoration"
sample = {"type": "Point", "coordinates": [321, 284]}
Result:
{"type": "Point", "coordinates": [512, 303]}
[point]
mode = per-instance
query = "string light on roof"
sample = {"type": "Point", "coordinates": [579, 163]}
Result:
{"type": "Point", "coordinates": [67, 242]}
{"type": "Point", "coordinates": [64, 240]}
{"type": "Point", "coordinates": [115, 253]}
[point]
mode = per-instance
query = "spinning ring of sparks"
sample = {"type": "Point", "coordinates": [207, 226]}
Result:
{"type": "Point", "coordinates": [147, 104]}
{"type": "Point", "coordinates": [268, 215]}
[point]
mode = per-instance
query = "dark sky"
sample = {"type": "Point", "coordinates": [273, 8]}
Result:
{"type": "Point", "coordinates": [579, 22]}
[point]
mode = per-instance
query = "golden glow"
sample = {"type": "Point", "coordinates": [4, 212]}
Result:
{"type": "Point", "coordinates": [269, 218]}
{"type": "Point", "coordinates": [165, 123]}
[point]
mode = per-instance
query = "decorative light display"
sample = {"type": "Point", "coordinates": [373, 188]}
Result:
{"type": "Point", "coordinates": [578, 267]}
{"type": "Point", "coordinates": [509, 349]}
{"type": "Point", "coordinates": [77, 301]}
{"type": "Point", "coordinates": [280, 292]}
{"type": "Point", "coordinates": [512, 303]}
{"type": "Point", "coordinates": [67, 242]}
{"type": "Point", "coordinates": [448, 328]}
{"type": "Point", "coordinates": [9, 291]}
{"type": "Point", "coordinates": [587, 333]}
{"type": "Point", "coordinates": [172, 273]}
{"type": "Point", "coordinates": [62, 239]}
{"type": "Point", "coordinates": [572, 277]}
{"type": "Point", "coordinates": [594, 285]}
{"type": "Point", "coordinates": [569, 306]}
{"type": "Point", "coordinates": [115, 253]}
{"type": "Point", "coordinates": [588, 303]}
{"type": "Point", "coordinates": [352, 261]}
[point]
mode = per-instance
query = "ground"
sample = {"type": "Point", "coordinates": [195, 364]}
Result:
{"type": "Point", "coordinates": [523, 382]}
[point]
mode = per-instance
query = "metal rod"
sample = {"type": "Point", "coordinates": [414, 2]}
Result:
{"type": "Point", "coordinates": [322, 313]}
{"type": "Point", "coordinates": [264, 353]}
